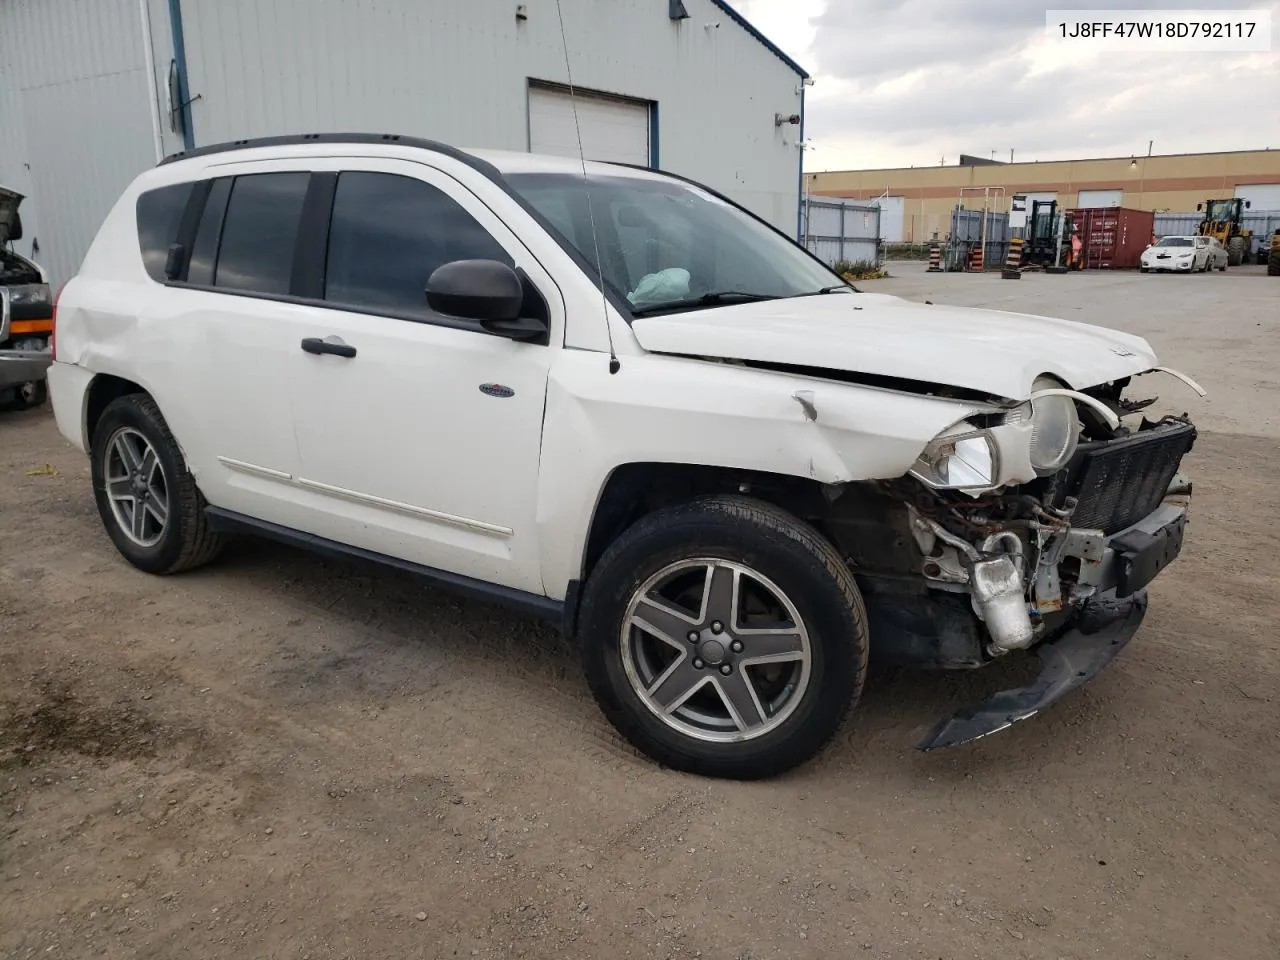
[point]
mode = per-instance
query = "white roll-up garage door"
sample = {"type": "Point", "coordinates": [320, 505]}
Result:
{"type": "Point", "coordinates": [613, 130]}
{"type": "Point", "coordinates": [1100, 198]}
{"type": "Point", "coordinates": [1261, 196]}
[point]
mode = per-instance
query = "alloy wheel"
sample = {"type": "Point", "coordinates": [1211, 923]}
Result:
{"type": "Point", "coordinates": [715, 650]}
{"type": "Point", "coordinates": [136, 487]}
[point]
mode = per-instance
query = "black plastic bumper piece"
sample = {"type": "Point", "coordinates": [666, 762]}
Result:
{"type": "Point", "coordinates": [1141, 555]}
{"type": "Point", "coordinates": [1070, 661]}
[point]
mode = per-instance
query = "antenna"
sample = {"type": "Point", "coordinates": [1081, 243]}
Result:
{"type": "Point", "coordinates": [614, 365]}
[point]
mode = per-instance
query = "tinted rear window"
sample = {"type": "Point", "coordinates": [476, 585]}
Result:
{"type": "Point", "coordinates": [159, 212]}
{"type": "Point", "coordinates": [259, 232]}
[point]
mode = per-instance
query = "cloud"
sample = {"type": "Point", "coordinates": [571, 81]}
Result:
{"type": "Point", "coordinates": [907, 82]}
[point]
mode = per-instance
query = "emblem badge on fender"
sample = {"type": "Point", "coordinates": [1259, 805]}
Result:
{"type": "Point", "coordinates": [496, 390]}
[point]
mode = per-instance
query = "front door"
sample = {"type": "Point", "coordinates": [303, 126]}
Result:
{"type": "Point", "coordinates": [419, 434]}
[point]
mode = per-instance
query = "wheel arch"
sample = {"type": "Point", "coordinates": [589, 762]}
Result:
{"type": "Point", "coordinates": [103, 389]}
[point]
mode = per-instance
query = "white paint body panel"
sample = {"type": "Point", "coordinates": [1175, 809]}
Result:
{"type": "Point", "coordinates": [614, 131]}
{"type": "Point", "coordinates": [985, 350]}
{"type": "Point", "coordinates": [397, 451]}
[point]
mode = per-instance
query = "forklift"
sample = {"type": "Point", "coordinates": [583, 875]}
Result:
{"type": "Point", "coordinates": [1046, 230]}
{"type": "Point", "coordinates": [1222, 220]}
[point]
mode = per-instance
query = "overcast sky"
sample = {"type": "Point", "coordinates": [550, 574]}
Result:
{"type": "Point", "coordinates": [908, 82]}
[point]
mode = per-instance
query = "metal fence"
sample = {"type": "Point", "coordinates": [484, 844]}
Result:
{"type": "Point", "coordinates": [966, 235]}
{"type": "Point", "coordinates": [1263, 223]}
{"type": "Point", "coordinates": [836, 230]}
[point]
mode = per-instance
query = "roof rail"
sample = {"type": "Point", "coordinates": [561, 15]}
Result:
{"type": "Point", "coordinates": [293, 139]}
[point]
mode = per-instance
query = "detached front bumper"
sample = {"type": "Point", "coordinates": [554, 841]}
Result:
{"type": "Point", "coordinates": [1119, 572]}
{"type": "Point", "coordinates": [22, 366]}
{"type": "Point", "coordinates": [1106, 625]}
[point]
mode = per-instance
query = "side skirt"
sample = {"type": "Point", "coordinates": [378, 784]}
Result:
{"type": "Point", "coordinates": [530, 604]}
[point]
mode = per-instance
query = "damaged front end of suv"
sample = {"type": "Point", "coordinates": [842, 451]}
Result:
{"type": "Point", "coordinates": [1033, 527]}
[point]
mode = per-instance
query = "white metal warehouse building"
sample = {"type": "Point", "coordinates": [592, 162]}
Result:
{"type": "Point", "coordinates": [92, 92]}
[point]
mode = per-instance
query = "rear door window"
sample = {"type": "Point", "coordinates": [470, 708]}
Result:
{"type": "Point", "coordinates": [159, 212]}
{"type": "Point", "coordinates": [387, 235]}
{"type": "Point", "coordinates": [259, 232]}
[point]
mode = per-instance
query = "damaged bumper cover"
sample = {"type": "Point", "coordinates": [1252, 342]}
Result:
{"type": "Point", "coordinates": [1101, 628]}
{"type": "Point", "coordinates": [1070, 661]}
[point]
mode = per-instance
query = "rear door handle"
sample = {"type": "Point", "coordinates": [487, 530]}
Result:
{"type": "Point", "coordinates": [328, 345]}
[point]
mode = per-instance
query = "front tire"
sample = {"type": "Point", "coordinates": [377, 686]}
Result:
{"type": "Point", "coordinates": [148, 500]}
{"type": "Point", "coordinates": [724, 637]}
{"type": "Point", "coordinates": [1235, 251]}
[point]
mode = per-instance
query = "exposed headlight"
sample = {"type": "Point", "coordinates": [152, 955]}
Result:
{"type": "Point", "coordinates": [30, 294]}
{"type": "Point", "coordinates": [1055, 429]}
{"type": "Point", "coordinates": [961, 458]}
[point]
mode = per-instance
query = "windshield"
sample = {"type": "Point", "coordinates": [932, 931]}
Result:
{"type": "Point", "coordinates": [1176, 242]}
{"type": "Point", "coordinates": [1221, 210]}
{"type": "Point", "coordinates": [667, 246]}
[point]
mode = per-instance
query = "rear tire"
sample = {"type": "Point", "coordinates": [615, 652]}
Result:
{"type": "Point", "coordinates": [148, 500]}
{"type": "Point", "coordinates": [29, 395]}
{"type": "Point", "coordinates": [689, 686]}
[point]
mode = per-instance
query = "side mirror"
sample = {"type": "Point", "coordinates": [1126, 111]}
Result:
{"type": "Point", "coordinates": [1199, 206]}
{"type": "Point", "coordinates": [15, 232]}
{"type": "Point", "coordinates": [1248, 204]}
{"type": "Point", "coordinates": [483, 290]}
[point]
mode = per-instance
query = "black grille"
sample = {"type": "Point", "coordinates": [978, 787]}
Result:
{"type": "Point", "coordinates": [1118, 482]}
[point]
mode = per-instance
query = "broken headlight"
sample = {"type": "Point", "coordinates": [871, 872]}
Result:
{"type": "Point", "coordinates": [1055, 429]}
{"type": "Point", "coordinates": [963, 457]}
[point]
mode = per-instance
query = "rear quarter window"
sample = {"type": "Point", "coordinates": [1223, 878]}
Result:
{"type": "Point", "coordinates": [159, 212]}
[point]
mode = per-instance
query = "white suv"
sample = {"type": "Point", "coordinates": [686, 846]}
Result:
{"type": "Point", "coordinates": [613, 398]}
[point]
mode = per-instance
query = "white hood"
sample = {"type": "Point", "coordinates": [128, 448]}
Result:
{"type": "Point", "coordinates": [990, 351]}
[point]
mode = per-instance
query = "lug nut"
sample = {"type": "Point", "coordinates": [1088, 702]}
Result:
{"type": "Point", "coordinates": [717, 627]}
{"type": "Point", "coordinates": [726, 669]}
{"type": "Point", "coordinates": [693, 636]}
{"type": "Point", "coordinates": [736, 646]}
{"type": "Point", "coordinates": [697, 664]}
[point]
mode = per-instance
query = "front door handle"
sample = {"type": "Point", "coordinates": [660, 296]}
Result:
{"type": "Point", "coordinates": [334, 346]}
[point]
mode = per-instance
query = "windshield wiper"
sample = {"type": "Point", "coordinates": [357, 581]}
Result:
{"type": "Point", "coordinates": [831, 289]}
{"type": "Point", "coordinates": [706, 300]}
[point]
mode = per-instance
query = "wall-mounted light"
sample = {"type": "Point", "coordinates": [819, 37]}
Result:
{"type": "Point", "coordinates": [522, 14]}
{"type": "Point", "coordinates": [1133, 164]}
{"type": "Point", "coordinates": [780, 118]}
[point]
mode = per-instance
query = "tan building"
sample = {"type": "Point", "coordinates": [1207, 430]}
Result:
{"type": "Point", "coordinates": [917, 201]}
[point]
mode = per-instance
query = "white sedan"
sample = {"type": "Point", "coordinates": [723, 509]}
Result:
{"type": "Point", "coordinates": [1184, 255]}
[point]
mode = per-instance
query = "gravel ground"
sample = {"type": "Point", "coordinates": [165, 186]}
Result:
{"type": "Point", "coordinates": [281, 756]}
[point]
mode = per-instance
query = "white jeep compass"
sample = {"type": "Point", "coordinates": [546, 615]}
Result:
{"type": "Point", "coordinates": [613, 398]}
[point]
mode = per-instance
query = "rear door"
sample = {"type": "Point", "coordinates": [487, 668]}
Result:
{"type": "Point", "coordinates": [422, 442]}
{"type": "Point", "coordinates": [230, 339]}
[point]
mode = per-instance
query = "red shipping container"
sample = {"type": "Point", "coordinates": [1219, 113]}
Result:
{"type": "Point", "coordinates": [1113, 238]}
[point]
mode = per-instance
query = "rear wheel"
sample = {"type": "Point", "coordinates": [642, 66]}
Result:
{"type": "Point", "coordinates": [1235, 251]}
{"type": "Point", "coordinates": [148, 500]}
{"type": "Point", "coordinates": [724, 637]}
{"type": "Point", "coordinates": [1273, 263]}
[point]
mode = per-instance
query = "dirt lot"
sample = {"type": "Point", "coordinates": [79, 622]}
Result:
{"type": "Point", "coordinates": [281, 756]}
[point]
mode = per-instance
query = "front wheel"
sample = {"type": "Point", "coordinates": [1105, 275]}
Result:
{"type": "Point", "coordinates": [724, 637]}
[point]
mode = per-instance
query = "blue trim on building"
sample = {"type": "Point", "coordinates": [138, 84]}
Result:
{"type": "Point", "coordinates": [180, 57]}
{"type": "Point", "coordinates": [800, 193]}
{"type": "Point", "coordinates": [745, 24]}
{"type": "Point", "coordinates": [653, 136]}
